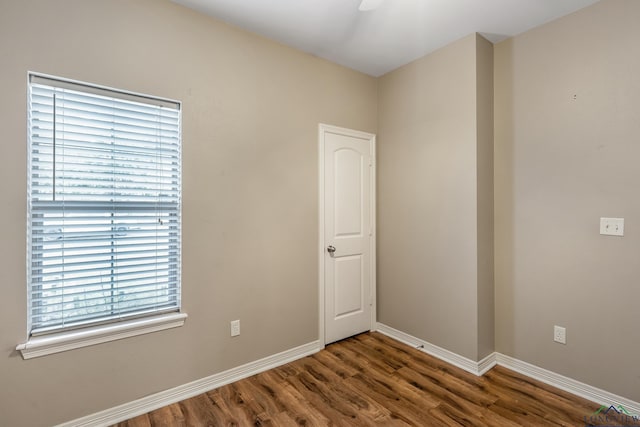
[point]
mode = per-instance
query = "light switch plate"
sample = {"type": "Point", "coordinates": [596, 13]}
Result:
{"type": "Point", "coordinates": [612, 226]}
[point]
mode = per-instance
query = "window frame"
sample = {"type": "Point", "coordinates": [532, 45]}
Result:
{"type": "Point", "coordinates": [105, 329]}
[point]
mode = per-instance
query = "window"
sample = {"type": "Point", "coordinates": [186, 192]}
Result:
{"type": "Point", "coordinates": [104, 190]}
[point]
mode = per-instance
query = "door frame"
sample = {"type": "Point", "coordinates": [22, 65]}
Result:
{"type": "Point", "coordinates": [322, 129]}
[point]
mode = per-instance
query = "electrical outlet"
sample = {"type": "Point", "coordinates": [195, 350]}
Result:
{"type": "Point", "coordinates": [560, 334]}
{"type": "Point", "coordinates": [235, 328]}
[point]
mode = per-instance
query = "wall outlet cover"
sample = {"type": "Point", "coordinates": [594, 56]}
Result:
{"type": "Point", "coordinates": [235, 328]}
{"type": "Point", "coordinates": [560, 334]}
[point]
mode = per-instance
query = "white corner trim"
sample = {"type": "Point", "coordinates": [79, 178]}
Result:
{"type": "Point", "coordinates": [487, 363]}
{"type": "Point", "coordinates": [567, 384]}
{"type": "Point", "coordinates": [56, 343]}
{"type": "Point", "coordinates": [149, 403]}
{"type": "Point", "coordinates": [476, 368]}
{"type": "Point", "coordinates": [570, 385]}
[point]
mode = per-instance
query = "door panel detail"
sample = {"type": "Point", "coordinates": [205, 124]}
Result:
{"type": "Point", "coordinates": [348, 192]}
{"type": "Point", "coordinates": [348, 284]}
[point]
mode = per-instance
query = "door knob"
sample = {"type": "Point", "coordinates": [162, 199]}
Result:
{"type": "Point", "coordinates": [331, 249]}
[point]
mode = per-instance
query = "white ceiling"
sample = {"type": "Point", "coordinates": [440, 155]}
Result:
{"type": "Point", "coordinates": [392, 35]}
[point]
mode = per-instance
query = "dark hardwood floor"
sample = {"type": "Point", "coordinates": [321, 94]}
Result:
{"type": "Point", "coordinates": [372, 380]}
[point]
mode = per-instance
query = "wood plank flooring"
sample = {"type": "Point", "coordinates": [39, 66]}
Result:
{"type": "Point", "coordinates": [373, 380]}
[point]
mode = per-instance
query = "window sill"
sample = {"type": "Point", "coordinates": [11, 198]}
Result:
{"type": "Point", "coordinates": [50, 344]}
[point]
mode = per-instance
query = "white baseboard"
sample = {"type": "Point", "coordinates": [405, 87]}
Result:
{"type": "Point", "coordinates": [486, 364]}
{"type": "Point", "coordinates": [476, 368]}
{"type": "Point", "coordinates": [578, 388]}
{"type": "Point", "coordinates": [167, 397]}
{"type": "Point", "coordinates": [570, 385]}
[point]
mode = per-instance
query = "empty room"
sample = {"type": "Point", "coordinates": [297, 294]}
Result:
{"type": "Point", "coordinates": [320, 212]}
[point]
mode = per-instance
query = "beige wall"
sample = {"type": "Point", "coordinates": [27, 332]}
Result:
{"type": "Point", "coordinates": [251, 111]}
{"type": "Point", "coordinates": [430, 174]}
{"type": "Point", "coordinates": [484, 153]}
{"type": "Point", "coordinates": [567, 107]}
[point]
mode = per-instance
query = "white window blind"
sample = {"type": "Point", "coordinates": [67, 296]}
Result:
{"type": "Point", "coordinates": [104, 189]}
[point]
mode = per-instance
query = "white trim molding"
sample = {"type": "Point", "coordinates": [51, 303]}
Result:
{"type": "Point", "coordinates": [486, 364]}
{"type": "Point", "coordinates": [476, 368]}
{"type": "Point", "coordinates": [578, 388]}
{"type": "Point", "coordinates": [149, 403]}
{"type": "Point", "coordinates": [56, 343]}
{"type": "Point", "coordinates": [570, 385]}
{"type": "Point", "coordinates": [167, 397]}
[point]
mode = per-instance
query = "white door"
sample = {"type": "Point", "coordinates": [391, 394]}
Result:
{"type": "Point", "coordinates": [347, 232]}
